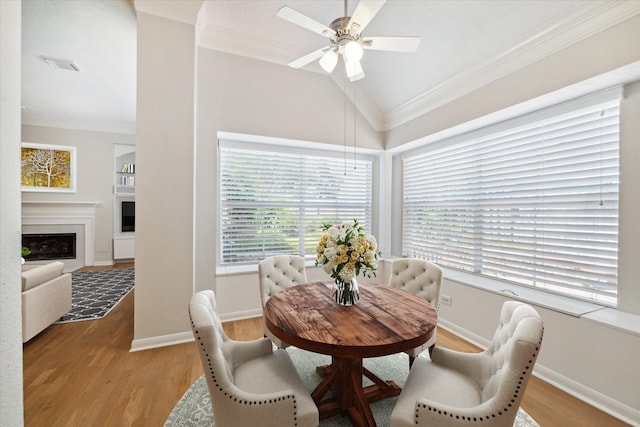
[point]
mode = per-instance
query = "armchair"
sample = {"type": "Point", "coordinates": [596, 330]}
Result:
{"type": "Point", "coordinates": [275, 274]}
{"type": "Point", "coordinates": [249, 383]}
{"type": "Point", "coordinates": [466, 389]}
{"type": "Point", "coordinates": [424, 279]}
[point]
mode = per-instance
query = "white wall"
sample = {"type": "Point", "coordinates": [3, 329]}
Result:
{"type": "Point", "coordinates": [589, 358]}
{"type": "Point", "coordinates": [242, 95]}
{"type": "Point", "coordinates": [94, 152]}
{"type": "Point", "coordinates": [11, 406]}
{"type": "Point", "coordinates": [164, 180]}
{"type": "Point", "coordinates": [629, 234]}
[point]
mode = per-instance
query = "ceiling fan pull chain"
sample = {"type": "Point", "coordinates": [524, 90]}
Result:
{"type": "Point", "coordinates": [345, 127]}
{"type": "Point", "coordinates": [355, 127]}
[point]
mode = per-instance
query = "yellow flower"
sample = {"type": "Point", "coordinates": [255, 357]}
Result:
{"type": "Point", "coordinates": [324, 239]}
{"type": "Point", "coordinates": [355, 255]}
{"type": "Point", "coordinates": [368, 256]}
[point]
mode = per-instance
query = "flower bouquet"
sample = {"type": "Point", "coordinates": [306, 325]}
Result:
{"type": "Point", "coordinates": [345, 252]}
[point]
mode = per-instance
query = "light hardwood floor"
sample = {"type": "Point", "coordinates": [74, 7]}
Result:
{"type": "Point", "coordinates": [82, 374]}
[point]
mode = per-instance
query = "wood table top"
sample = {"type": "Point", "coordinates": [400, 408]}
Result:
{"type": "Point", "coordinates": [384, 321]}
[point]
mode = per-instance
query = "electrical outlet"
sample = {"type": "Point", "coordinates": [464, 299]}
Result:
{"type": "Point", "coordinates": [446, 300]}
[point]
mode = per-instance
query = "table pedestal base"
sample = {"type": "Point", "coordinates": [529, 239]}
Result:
{"type": "Point", "coordinates": [343, 378]}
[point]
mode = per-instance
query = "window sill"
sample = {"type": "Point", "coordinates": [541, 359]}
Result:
{"type": "Point", "coordinates": [597, 313]}
{"type": "Point", "coordinates": [247, 269]}
{"type": "Point", "coordinates": [236, 269]}
{"type": "Point", "coordinates": [607, 316]}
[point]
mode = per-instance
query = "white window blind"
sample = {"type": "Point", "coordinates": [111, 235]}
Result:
{"type": "Point", "coordinates": [535, 204]}
{"type": "Point", "coordinates": [274, 200]}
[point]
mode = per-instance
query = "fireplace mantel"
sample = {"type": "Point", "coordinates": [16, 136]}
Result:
{"type": "Point", "coordinates": [63, 204]}
{"type": "Point", "coordinates": [64, 213]}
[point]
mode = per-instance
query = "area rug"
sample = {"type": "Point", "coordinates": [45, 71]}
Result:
{"type": "Point", "coordinates": [194, 408]}
{"type": "Point", "coordinates": [95, 293]}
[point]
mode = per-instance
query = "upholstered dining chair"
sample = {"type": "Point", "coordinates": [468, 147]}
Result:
{"type": "Point", "coordinates": [275, 274]}
{"type": "Point", "coordinates": [465, 389]}
{"type": "Point", "coordinates": [249, 383]}
{"type": "Point", "coordinates": [424, 279]}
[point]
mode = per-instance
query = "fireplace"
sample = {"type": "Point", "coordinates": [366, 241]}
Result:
{"type": "Point", "coordinates": [50, 246]}
{"type": "Point", "coordinates": [41, 217]}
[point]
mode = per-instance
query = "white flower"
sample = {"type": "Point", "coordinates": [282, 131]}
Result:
{"type": "Point", "coordinates": [333, 233]}
{"type": "Point", "coordinates": [328, 268]}
{"type": "Point", "coordinates": [346, 274]}
{"type": "Point", "coordinates": [345, 251]}
{"type": "Point", "coordinates": [372, 242]}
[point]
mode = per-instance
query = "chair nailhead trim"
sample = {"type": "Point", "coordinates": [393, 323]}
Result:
{"type": "Point", "coordinates": [235, 399]}
{"type": "Point", "coordinates": [486, 417]}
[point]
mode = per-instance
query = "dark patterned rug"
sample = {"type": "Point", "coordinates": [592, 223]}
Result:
{"type": "Point", "coordinates": [95, 293]}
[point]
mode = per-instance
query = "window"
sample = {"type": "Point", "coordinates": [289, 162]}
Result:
{"type": "Point", "coordinates": [533, 201]}
{"type": "Point", "coordinates": [275, 199]}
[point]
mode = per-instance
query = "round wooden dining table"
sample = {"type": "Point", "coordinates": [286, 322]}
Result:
{"type": "Point", "coordinates": [384, 321]}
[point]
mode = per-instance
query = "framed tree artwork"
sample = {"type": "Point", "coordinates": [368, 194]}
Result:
{"type": "Point", "coordinates": [50, 168]}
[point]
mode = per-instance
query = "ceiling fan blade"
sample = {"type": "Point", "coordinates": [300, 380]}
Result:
{"type": "Point", "coordinates": [308, 58]}
{"type": "Point", "coordinates": [354, 70]}
{"type": "Point", "coordinates": [304, 21]}
{"type": "Point", "coordinates": [395, 44]}
{"type": "Point", "coordinates": [364, 13]}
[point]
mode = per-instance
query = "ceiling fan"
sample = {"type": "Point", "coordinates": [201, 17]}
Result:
{"type": "Point", "coordinates": [345, 35]}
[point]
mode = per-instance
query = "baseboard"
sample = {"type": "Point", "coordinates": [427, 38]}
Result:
{"type": "Point", "coordinates": [102, 263]}
{"type": "Point", "coordinates": [241, 315]}
{"type": "Point", "coordinates": [161, 341]}
{"type": "Point", "coordinates": [184, 337]}
{"type": "Point", "coordinates": [574, 388]}
{"type": "Point", "coordinates": [590, 396]}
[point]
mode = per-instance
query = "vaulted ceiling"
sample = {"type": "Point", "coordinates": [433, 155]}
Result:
{"type": "Point", "coordinates": [465, 44]}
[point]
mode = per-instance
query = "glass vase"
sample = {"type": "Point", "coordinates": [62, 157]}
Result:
{"type": "Point", "coordinates": [347, 293]}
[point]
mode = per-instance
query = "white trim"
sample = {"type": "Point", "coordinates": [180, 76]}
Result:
{"type": "Point", "coordinates": [230, 139]}
{"type": "Point", "coordinates": [117, 127]}
{"type": "Point", "coordinates": [618, 77]}
{"type": "Point", "coordinates": [161, 341]}
{"type": "Point", "coordinates": [587, 20]}
{"type": "Point", "coordinates": [241, 315]}
{"type": "Point", "coordinates": [184, 11]}
{"type": "Point", "coordinates": [611, 94]}
{"type": "Point", "coordinates": [559, 303]}
{"type": "Point", "coordinates": [103, 263]}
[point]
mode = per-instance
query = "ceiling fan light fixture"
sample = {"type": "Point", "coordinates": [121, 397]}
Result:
{"type": "Point", "coordinates": [329, 60]}
{"type": "Point", "coordinates": [353, 51]}
{"type": "Point", "coordinates": [354, 70]}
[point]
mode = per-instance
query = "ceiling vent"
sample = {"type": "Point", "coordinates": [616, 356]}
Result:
{"type": "Point", "coordinates": [63, 64]}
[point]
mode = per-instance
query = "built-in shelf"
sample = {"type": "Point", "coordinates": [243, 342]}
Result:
{"type": "Point", "coordinates": [124, 190]}
{"type": "Point", "coordinates": [124, 159]}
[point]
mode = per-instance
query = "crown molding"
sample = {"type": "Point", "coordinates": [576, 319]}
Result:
{"type": "Point", "coordinates": [238, 43]}
{"type": "Point", "coordinates": [185, 11]}
{"type": "Point", "coordinates": [126, 128]}
{"type": "Point", "coordinates": [586, 20]}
